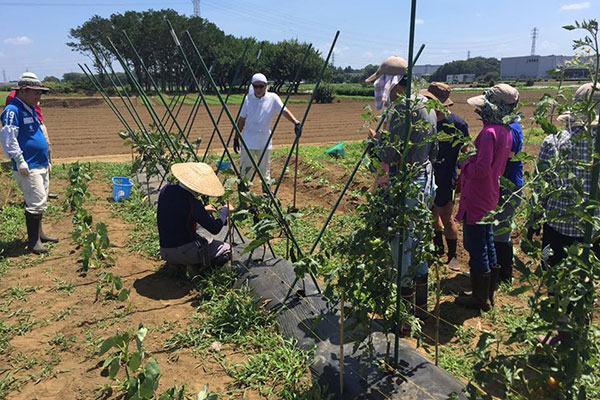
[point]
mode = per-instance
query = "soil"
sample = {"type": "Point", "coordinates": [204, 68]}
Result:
{"type": "Point", "coordinates": [87, 127]}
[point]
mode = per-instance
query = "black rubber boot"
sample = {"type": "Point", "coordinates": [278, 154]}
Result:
{"type": "Point", "coordinates": [43, 236]}
{"type": "Point", "coordinates": [421, 297]}
{"type": "Point", "coordinates": [451, 248]}
{"type": "Point", "coordinates": [504, 254]}
{"type": "Point", "coordinates": [494, 280]}
{"type": "Point", "coordinates": [481, 288]}
{"type": "Point", "coordinates": [438, 242]}
{"type": "Point", "coordinates": [33, 223]}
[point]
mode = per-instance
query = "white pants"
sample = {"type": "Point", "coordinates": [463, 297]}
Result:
{"type": "Point", "coordinates": [246, 168]}
{"type": "Point", "coordinates": [35, 189]}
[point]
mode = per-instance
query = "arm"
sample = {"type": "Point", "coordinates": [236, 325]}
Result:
{"type": "Point", "coordinates": [289, 116]}
{"type": "Point", "coordinates": [202, 217]}
{"type": "Point", "coordinates": [241, 122]}
{"type": "Point", "coordinates": [479, 165]}
{"type": "Point", "coordinates": [8, 138]}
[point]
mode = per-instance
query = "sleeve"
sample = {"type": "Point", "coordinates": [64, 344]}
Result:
{"type": "Point", "coordinates": [244, 111]}
{"type": "Point", "coordinates": [277, 103]}
{"type": "Point", "coordinates": [433, 146]}
{"type": "Point", "coordinates": [480, 165]}
{"type": "Point", "coordinates": [464, 128]}
{"type": "Point", "coordinates": [202, 217]}
{"type": "Point", "coordinates": [9, 133]}
{"type": "Point", "coordinates": [546, 153]}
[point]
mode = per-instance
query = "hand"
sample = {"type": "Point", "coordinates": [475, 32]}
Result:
{"type": "Point", "coordinates": [22, 166]}
{"type": "Point", "coordinates": [371, 133]}
{"type": "Point", "coordinates": [298, 128]}
{"type": "Point", "coordinates": [210, 208]}
{"type": "Point", "coordinates": [236, 145]}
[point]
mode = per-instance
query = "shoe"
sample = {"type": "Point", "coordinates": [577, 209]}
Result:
{"type": "Point", "coordinates": [504, 254]}
{"type": "Point", "coordinates": [453, 264]}
{"type": "Point", "coordinates": [494, 280]}
{"type": "Point", "coordinates": [481, 288]}
{"type": "Point", "coordinates": [451, 243]}
{"type": "Point", "coordinates": [43, 236]}
{"type": "Point", "coordinates": [33, 223]}
{"type": "Point", "coordinates": [421, 297]}
{"type": "Point", "coordinates": [52, 196]}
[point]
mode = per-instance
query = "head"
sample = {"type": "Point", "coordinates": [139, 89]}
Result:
{"type": "Point", "coordinates": [29, 89]}
{"type": "Point", "coordinates": [398, 89]}
{"type": "Point", "coordinates": [496, 103]}
{"type": "Point", "coordinates": [389, 81]}
{"type": "Point", "coordinates": [259, 84]}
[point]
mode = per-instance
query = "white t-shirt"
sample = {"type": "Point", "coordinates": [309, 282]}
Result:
{"type": "Point", "coordinates": [259, 113]}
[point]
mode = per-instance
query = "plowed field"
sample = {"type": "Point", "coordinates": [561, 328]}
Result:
{"type": "Point", "coordinates": [86, 127]}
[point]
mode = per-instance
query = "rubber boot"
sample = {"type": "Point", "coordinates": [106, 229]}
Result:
{"type": "Point", "coordinates": [494, 280]}
{"type": "Point", "coordinates": [481, 288]}
{"type": "Point", "coordinates": [451, 249]}
{"type": "Point", "coordinates": [33, 223]}
{"type": "Point", "coordinates": [421, 297]}
{"type": "Point", "coordinates": [438, 242]}
{"type": "Point", "coordinates": [408, 297]}
{"type": "Point", "coordinates": [43, 236]}
{"type": "Point", "coordinates": [504, 254]}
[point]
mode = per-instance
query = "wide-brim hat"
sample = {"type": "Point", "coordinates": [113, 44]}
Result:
{"type": "Point", "coordinates": [438, 91]}
{"type": "Point", "coordinates": [393, 65]}
{"type": "Point", "coordinates": [569, 118]}
{"type": "Point", "coordinates": [198, 177]}
{"type": "Point", "coordinates": [29, 80]}
{"type": "Point", "coordinates": [501, 92]}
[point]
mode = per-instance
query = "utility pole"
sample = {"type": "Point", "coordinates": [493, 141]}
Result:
{"type": "Point", "coordinates": [534, 36]}
{"type": "Point", "coordinates": [196, 8]}
{"type": "Point", "coordinates": [333, 60]}
{"type": "Point", "coordinates": [4, 75]}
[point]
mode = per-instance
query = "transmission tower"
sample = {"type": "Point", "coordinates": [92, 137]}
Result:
{"type": "Point", "coordinates": [469, 55]}
{"type": "Point", "coordinates": [534, 36]}
{"type": "Point", "coordinates": [196, 8]}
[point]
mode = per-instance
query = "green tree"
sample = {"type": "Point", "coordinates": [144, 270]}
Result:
{"type": "Point", "coordinates": [476, 65]}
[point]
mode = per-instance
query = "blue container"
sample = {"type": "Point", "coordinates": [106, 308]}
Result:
{"type": "Point", "coordinates": [223, 165]}
{"type": "Point", "coordinates": [121, 187]}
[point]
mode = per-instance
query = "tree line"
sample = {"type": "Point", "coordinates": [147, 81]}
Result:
{"type": "Point", "coordinates": [150, 35]}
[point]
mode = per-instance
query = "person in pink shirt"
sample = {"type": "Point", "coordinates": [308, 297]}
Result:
{"type": "Point", "coordinates": [480, 188]}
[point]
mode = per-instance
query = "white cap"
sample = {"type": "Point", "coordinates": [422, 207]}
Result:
{"type": "Point", "coordinates": [259, 78]}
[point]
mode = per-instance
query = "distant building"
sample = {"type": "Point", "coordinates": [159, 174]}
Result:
{"type": "Point", "coordinates": [537, 67]}
{"type": "Point", "coordinates": [460, 78]}
{"type": "Point", "coordinates": [424, 70]}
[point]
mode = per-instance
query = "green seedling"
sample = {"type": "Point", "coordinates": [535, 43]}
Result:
{"type": "Point", "coordinates": [110, 287]}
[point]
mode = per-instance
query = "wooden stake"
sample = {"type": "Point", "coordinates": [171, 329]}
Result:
{"type": "Point", "coordinates": [342, 346]}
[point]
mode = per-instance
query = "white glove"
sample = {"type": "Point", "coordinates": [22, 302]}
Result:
{"type": "Point", "coordinates": [22, 166]}
{"type": "Point", "coordinates": [223, 214]}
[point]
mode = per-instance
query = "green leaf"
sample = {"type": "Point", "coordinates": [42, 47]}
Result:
{"type": "Point", "coordinates": [135, 361]}
{"type": "Point", "coordinates": [150, 381]}
{"type": "Point", "coordinates": [123, 295]}
{"type": "Point", "coordinates": [115, 365]}
{"type": "Point", "coordinates": [569, 27]}
{"type": "Point", "coordinates": [519, 290]}
{"type": "Point", "coordinates": [106, 345]}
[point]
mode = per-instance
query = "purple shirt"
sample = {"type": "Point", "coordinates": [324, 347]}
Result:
{"type": "Point", "coordinates": [479, 180]}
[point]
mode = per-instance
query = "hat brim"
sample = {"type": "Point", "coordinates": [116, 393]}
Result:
{"type": "Point", "coordinates": [198, 177]}
{"type": "Point", "coordinates": [477, 101]}
{"type": "Point", "coordinates": [42, 88]}
{"type": "Point", "coordinates": [430, 95]}
{"type": "Point", "coordinates": [372, 78]}
{"type": "Point", "coordinates": [570, 118]}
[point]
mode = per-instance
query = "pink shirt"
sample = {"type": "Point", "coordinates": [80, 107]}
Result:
{"type": "Point", "coordinates": [480, 174]}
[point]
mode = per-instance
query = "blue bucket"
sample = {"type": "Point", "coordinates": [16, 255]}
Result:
{"type": "Point", "coordinates": [121, 187]}
{"type": "Point", "coordinates": [223, 165]}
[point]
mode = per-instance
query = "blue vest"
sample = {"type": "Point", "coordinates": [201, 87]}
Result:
{"type": "Point", "coordinates": [31, 137]}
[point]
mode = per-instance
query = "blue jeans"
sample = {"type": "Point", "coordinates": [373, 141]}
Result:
{"type": "Point", "coordinates": [478, 240]}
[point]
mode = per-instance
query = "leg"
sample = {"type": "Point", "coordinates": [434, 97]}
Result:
{"type": "Point", "coordinates": [34, 188]}
{"type": "Point", "coordinates": [475, 242]}
{"type": "Point", "coordinates": [555, 241]}
{"type": "Point", "coordinates": [265, 166]}
{"type": "Point", "coordinates": [246, 168]}
{"type": "Point", "coordinates": [438, 239]}
{"type": "Point", "coordinates": [450, 229]}
{"type": "Point", "coordinates": [502, 241]}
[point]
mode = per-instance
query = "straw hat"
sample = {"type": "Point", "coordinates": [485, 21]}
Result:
{"type": "Point", "coordinates": [569, 118]}
{"type": "Point", "coordinates": [438, 91]}
{"type": "Point", "coordinates": [583, 92]}
{"type": "Point", "coordinates": [198, 177]}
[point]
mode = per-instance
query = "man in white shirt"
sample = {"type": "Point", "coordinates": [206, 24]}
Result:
{"type": "Point", "coordinates": [258, 110]}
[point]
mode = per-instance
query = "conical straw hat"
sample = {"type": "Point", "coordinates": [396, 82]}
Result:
{"type": "Point", "coordinates": [198, 177]}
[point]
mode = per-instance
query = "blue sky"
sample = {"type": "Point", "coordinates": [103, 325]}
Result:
{"type": "Point", "coordinates": [35, 31]}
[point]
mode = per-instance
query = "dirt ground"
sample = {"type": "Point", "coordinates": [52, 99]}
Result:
{"type": "Point", "coordinates": [88, 128]}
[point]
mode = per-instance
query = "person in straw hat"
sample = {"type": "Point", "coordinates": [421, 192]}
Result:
{"type": "Point", "coordinates": [24, 142]}
{"type": "Point", "coordinates": [390, 82]}
{"type": "Point", "coordinates": [566, 150]}
{"type": "Point", "coordinates": [445, 169]}
{"type": "Point", "coordinates": [479, 191]}
{"type": "Point", "coordinates": [179, 213]}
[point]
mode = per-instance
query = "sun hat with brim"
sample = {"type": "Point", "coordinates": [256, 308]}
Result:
{"type": "Point", "coordinates": [198, 177]}
{"type": "Point", "coordinates": [29, 80]}
{"type": "Point", "coordinates": [438, 91]}
{"type": "Point", "coordinates": [501, 93]}
{"type": "Point", "coordinates": [569, 118]}
{"type": "Point", "coordinates": [584, 91]}
{"type": "Point", "coordinates": [393, 65]}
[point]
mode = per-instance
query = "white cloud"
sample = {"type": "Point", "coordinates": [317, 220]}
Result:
{"type": "Point", "coordinates": [18, 41]}
{"type": "Point", "coordinates": [575, 6]}
{"type": "Point", "coordinates": [419, 21]}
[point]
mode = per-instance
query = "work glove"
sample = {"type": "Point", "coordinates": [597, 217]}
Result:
{"type": "Point", "coordinates": [236, 145]}
{"type": "Point", "coordinates": [223, 214]}
{"type": "Point", "coordinates": [298, 128]}
{"type": "Point", "coordinates": [22, 166]}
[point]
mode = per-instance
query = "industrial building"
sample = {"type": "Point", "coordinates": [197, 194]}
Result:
{"type": "Point", "coordinates": [460, 78]}
{"type": "Point", "coordinates": [536, 67]}
{"type": "Point", "coordinates": [424, 70]}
